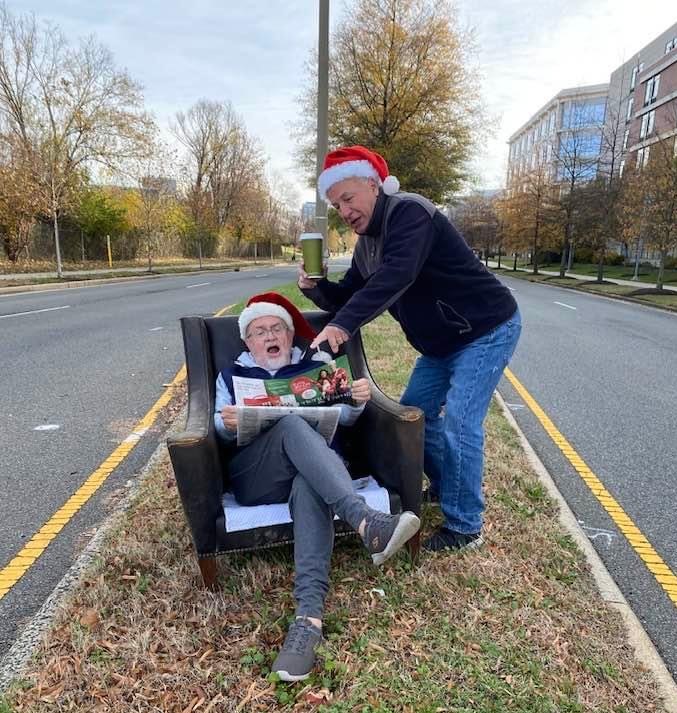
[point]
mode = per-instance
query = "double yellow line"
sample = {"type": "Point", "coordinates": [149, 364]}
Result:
{"type": "Point", "coordinates": [29, 553]}
{"type": "Point", "coordinates": [652, 560]}
{"type": "Point", "coordinates": [15, 569]}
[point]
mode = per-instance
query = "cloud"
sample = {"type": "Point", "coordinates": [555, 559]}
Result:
{"type": "Point", "coordinates": [252, 53]}
{"type": "Point", "coordinates": [529, 50]}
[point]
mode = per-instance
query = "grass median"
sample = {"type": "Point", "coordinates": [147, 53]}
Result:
{"type": "Point", "coordinates": [516, 626]}
{"type": "Point", "coordinates": [666, 299]}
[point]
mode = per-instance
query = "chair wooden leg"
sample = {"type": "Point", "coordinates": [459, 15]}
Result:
{"type": "Point", "coordinates": [208, 570]}
{"type": "Point", "coordinates": [414, 547]}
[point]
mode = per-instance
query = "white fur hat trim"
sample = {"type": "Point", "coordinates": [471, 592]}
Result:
{"type": "Point", "coordinates": [341, 171]}
{"type": "Point", "coordinates": [262, 309]}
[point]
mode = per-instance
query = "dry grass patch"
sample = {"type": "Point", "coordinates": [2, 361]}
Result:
{"type": "Point", "coordinates": [667, 299]}
{"type": "Point", "coordinates": [516, 626]}
{"type": "Point", "coordinates": [606, 288]}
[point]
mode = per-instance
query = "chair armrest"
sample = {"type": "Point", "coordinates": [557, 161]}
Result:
{"type": "Point", "coordinates": [392, 435]}
{"type": "Point", "coordinates": [195, 459]}
{"type": "Point", "coordinates": [194, 452]}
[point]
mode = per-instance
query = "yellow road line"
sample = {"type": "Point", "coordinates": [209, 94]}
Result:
{"type": "Point", "coordinates": [15, 569]}
{"type": "Point", "coordinates": [654, 563]}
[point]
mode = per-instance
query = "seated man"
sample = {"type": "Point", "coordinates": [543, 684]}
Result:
{"type": "Point", "coordinates": [291, 461]}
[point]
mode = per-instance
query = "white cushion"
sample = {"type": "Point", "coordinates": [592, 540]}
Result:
{"type": "Point", "coordinates": [242, 517]}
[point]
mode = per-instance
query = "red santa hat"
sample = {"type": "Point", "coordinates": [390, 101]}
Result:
{"type": "Point", "coordinates": [271, 304]}
{"type": "Point", "coordinates": [355, 162]}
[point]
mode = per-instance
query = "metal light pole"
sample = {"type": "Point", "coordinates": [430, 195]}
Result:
{"type": "Point", "coordinates": [322, 112]}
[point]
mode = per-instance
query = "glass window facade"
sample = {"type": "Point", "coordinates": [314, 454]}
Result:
{"type": "Point", "coordinates": [583, 113]}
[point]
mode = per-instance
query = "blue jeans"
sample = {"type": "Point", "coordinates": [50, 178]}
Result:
{"type": "Point", "coordinates": [454, 393]}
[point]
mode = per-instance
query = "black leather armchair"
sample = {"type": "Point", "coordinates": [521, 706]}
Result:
{"type": "Point", "coordinates": [386, 442]}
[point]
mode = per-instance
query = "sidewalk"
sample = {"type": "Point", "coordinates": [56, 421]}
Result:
{"type": "Point", "coordinates": [586, 278]}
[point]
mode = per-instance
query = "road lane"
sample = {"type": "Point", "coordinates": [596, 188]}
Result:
{"type": "Point", "coordinates": [92, 370]}
{"type": "Point", "coordinates": [605, 374]}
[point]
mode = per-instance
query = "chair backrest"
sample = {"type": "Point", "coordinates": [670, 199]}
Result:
{"type": "Point", "coordinates": [225, 344]}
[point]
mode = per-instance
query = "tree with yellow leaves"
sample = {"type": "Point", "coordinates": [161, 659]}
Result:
{"type": "Point", "coordinates": [400, 83]}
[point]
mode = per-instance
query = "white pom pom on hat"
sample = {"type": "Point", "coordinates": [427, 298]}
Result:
{"type": "Point", "coordinates": [391, 185]}
{"type": "Point", "coordinates": [355, 162]}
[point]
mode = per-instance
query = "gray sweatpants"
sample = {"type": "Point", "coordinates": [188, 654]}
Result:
{"type": "Point", "coordinates": [292, 462]}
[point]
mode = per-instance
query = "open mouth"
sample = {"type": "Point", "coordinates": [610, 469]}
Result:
{"type": "Point", "coordinates": [273, 350]}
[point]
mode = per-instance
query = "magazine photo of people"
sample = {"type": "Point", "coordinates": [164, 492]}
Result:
{"type": "Point", "coordinates": [328, 384]}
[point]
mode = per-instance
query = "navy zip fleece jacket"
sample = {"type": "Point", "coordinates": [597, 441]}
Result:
{"type": "Point", "coordinates": [414, 263]}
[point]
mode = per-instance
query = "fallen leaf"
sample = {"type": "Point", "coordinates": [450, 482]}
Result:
{"type": "Point", "coordinates": [89, 618]}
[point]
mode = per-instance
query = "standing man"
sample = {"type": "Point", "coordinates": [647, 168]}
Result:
{"type": "Point", "coordinates": [410, 260]}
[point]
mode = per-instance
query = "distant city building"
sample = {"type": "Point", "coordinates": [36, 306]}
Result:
{"type": "Point", "coordinates": [569, 125]}
{"type": "Point", "coordinates": [308, 213]}
{"type": "Point", "coordinates": [457, 210]}
{"type": "Point", "coordinates": [159, 185]}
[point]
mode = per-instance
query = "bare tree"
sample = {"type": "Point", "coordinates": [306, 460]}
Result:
{"type": "Point", "coordinates": [658, 193]}
{"type": "Point", "coordinates": [529, 212]}
{"type": "Point", "coordinates": [69, 108]}
{"type": "Point", "coordinates": [603, 197]}
{"type": "Point", "coordinates": [19, 205]}
{"type": "Point", "coordinates": [222, 163]}
{"type": "Point", "coordinates": [478, 221]}
{"type": "Point", "coordinates": [155, 190]}
{"type": "Point", "coordinates": [575, 159]}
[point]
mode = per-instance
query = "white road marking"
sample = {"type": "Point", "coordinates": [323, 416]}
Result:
{"type": "Point", "coordinates": [264, 275]}
{"type": "Point", "coordinates": [155, 329]}
{"type": "Point", "coordinates": [33, 311]}
{"type": "Point", "coordinates": [199, 284]}
{"type": "Point", "coordinates": [594, 532]}
{"type": "Point", "coordinates": [561, 304]}
{"type": "Point", "coordinates": [514, 407]}
{"type": "Point", "coordinates": [135, 436]}
{"type": "Point", "coordinates": [47, 427]}
{"type": "Point", "coordinates": [512, 289]}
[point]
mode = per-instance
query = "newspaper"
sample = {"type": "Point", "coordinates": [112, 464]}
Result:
{"type": "Point", "coordinates": [313, 394]}
{"type": "Point", "coordinates": [251, 420]}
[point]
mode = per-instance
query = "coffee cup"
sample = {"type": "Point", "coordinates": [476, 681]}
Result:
{"type": "Point", "coordinates": [312, 245]}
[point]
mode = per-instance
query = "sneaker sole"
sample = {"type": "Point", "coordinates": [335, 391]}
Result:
{"type": "Point", "coordinates": [290, 677]}
{"type": "Point", "coordinates": [406, 528]}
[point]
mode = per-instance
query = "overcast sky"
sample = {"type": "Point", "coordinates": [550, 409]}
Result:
{"type": "Point", "coordinates": [252, 52]}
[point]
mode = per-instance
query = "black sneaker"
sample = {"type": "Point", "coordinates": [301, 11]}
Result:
{"type": "Point", "coordinates": [385, 534]}
{"type": "Point", "coordinates": [297, 655]}
{"type": "Point", "coordinates": [444, 539]}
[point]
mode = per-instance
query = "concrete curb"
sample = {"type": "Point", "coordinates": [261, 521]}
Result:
{"type": "Point", "coordinates": [645, 651]}
{"type": "Point", "coordinates": [15, 661]}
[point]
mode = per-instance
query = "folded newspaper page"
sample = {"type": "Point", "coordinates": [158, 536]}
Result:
{"type": "Point", "coordinates": [251, 420]}
{"type": "Point", "coordinates": [324, 385]}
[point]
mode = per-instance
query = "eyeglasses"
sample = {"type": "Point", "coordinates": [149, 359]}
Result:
{"type": "Point", "coordinates": [260, 332]}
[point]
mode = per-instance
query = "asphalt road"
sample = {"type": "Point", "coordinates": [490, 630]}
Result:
{"type": "Point", "coordinates": [88, 364]}
{"type": "Point", "coordinates": [91, 361]}
{"type": "Point", "coordinates": [605, 372]}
